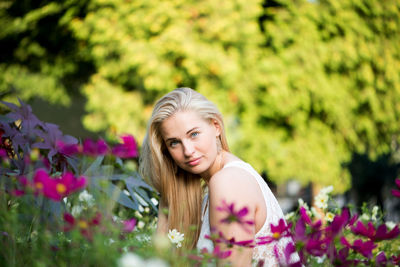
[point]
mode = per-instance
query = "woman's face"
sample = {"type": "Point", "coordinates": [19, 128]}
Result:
{"type": "Point", "coordinates": [191, 142]}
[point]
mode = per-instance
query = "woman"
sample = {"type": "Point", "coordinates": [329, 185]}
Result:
{"type": "Point", "coordinates": [185, 154]}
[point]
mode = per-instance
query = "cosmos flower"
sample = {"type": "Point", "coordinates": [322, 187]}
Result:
{"type": "Point", "coordinates": [128, 149]}
{"type": "Point", "coordinates": [233, 215]}
{"type": "Point", "coordinates": [93, 148]}
{"type": "Point", "coordinates": [378, 234]}
{"type": "Point", "coordinates": [175, 237]}
{"type": "Point", "coordinates": [57, 188]}
{"type": "Point", "coordinates": [364, 248]}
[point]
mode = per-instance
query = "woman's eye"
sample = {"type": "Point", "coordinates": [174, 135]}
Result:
{"type": "Point", "coordinates": [194, 134]}
{"type": "Point", "coordinates": [173, 143]}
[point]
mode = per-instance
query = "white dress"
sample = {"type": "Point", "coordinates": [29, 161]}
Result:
{"type": "Point", "coordinates": [274, 213]}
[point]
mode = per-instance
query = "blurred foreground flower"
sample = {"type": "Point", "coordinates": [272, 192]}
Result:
{"type": "Point", "coordinates": [85, 226]}
{"type": "Point", "coordinates": [233, 215]}
{"type": "Point", "coordinates": [175, 237]}
{"type": "Point", "coordinates": [128, 149]}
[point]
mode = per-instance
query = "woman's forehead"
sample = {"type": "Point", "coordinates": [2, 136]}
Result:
{"type": "Point", "coordinates": [181, 123]}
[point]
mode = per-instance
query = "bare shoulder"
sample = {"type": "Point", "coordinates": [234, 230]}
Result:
{"type": "Point", "coordinates": [233, 183]}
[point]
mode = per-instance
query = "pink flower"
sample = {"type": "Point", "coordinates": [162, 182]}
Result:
{"type": "Point", "coordinates": [381, 233]}
{"type": "Point", "coordinates": [92, 148]}
{"type": "Point", "coordinates": [57, 188]}
{"type": "Point", "coordinates": [278, 231]}
{"type": "Point", "coordinates": [218, 237]}
{"type": "Point", "coordinates": [395, 192]}
{"type": "Point", "coordinates": [129, 225]}
{"type": "Point", "coordinates": [234, 215]}
{"type": "Point", "coordinates": [364, 248]}
{"type": "Point", "coordinates": [128, 149]}
{"type": "Point", "coordinates": [84, 226]}
{"type": "Point", "coordinates": [68, 149]}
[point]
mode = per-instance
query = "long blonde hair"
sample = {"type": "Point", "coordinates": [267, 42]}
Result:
{"type": "Point", "coordinates": [180, 190]}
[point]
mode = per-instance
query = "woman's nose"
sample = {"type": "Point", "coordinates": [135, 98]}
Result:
{"type": "Point", "coordinates": [188, 148]}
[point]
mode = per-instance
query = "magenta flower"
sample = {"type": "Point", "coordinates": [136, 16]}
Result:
{"type": "Point", "coordinates": [395, 192]}
{"type": "Point", "coordinates": [128, 149]}
{"type": "Point", "coordinates": [57, 188]}
{"type": "Point", "coordinates": [288, 251]}
{"type": "Point", "coordinates": [278, 231]}
{"type": "Point", "coordinates": [381, 259]}
{"type": "Point", "coordinates": [234, 215]}
{"type": "Point", "coordinates": [84, 226]}
{"type": "Point", "coordinates": [364, 248]}
{"type": "Point", "coordinates": [220, 254]}
{"type": "Point", "coordinates": [129, 225]}
{"type": "Point", "coordinates": [218, 237]}
{"type": "Point", "coordinates": [68, 149]}
{"type": "Point", "coordinates": [381, 233]}
{"type": "Point", "coordinates": [92, 148]}
{"type": "Point", "coordinates": [342, 258]}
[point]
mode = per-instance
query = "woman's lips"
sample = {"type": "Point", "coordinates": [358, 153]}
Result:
{"type": "Point", "coordinates": [194, 162]}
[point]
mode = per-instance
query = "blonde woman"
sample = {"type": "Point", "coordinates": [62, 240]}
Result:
{"type": "Point", "coordinates": [185, 154]}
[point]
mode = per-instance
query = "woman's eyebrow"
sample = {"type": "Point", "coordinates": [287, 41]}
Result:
{"type": "Point", "coordinates": [195, 128]}
{"type": "Point", "coordinates": [174, 138]}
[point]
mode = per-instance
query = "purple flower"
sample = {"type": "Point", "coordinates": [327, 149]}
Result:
{"type": "Point", "coordinates": [129, 225]}
{"type": "Point", "coordinates": [395, 192]}
{"type": "Point", "coordinates": [381, 233]}
{"type": "Point", "coordinates": [381, 259]}
{"type": "Point", "coordinates": [128, 149]}
{"type": "Point", "coordinates": [92, 148]}
{"type": "Point", "coordinates": [364, 248]}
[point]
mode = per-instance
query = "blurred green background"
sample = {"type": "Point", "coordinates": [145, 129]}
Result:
{"type": "Point", "coordinates": [309, 90]}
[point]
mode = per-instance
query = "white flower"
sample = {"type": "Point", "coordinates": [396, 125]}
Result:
{"type": "Point", "coordinates": [321, 201]}
{"type": "Point", "coordinates": [326, 190]}
{"type": "Point", "coordinates": [364, 217]}
{"type": "Point", "coordinates": [374, 212]}
{"type": "Point", "coordinates": [302, 203]}
{"type": "Point", "coordinates": [76, 210]}
{"type": "Point", "coordinates": [329, 216]}
{"type": "Point", "coordinates": [140, 224]}
{"type": "Point", "coordinates": [84, 196]}
{"type": "Point", "coordinates": [289, 215]}
{"type": "Point", "coordinates": [175, 237]}
{"type": "Point", "coordinates": [390, 225]}
{"type": "Point", "coordinates": [131, 260]}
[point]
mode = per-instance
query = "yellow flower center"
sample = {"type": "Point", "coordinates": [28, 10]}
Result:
{"type": "Point", "coordinates": [83, 224]}
{"type": "Point", "coordinates": [61, 188]}
{"type": "Point", "coordinates": [39, 185]}
{"type": "Point", "coordinates": [276, 235]}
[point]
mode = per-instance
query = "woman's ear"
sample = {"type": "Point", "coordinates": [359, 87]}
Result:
{"type": "Point", "coordinates": [217, 127]}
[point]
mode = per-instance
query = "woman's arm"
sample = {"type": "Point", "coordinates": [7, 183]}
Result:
{"type": "Point", "coordinates": [234, 187]}
{"type": "Point", "coordinates": [162, 224]}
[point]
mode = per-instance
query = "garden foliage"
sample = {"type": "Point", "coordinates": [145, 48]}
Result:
{"type": "Point", "coordinates": [313, 81]}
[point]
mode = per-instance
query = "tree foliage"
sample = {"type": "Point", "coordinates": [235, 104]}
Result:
{"type": "Point", "coordinates": [302, 84]}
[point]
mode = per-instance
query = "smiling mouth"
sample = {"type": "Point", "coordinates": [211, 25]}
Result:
{"type": "Point", "coordinates": [194, 162]}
